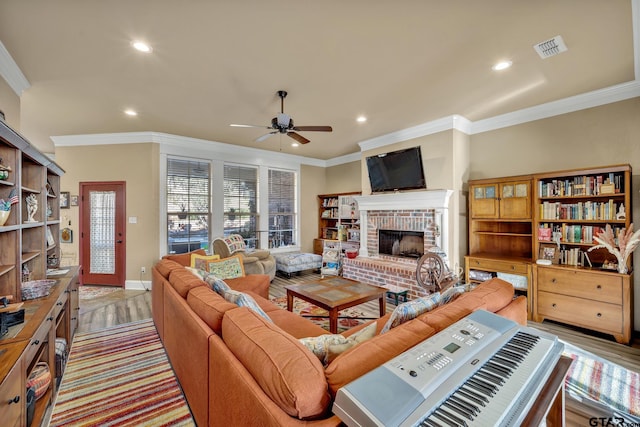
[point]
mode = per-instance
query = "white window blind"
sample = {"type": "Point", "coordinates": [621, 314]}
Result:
{"type": "Point", "coordinates": [282, 208]}
{"type": "Point", "coordinates": [188, 204]}
{"type": "Point", "coordinates": [241, 203]}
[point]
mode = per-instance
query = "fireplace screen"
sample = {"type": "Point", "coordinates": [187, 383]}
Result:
{"type": "Point", "coordinates": [401, 243]}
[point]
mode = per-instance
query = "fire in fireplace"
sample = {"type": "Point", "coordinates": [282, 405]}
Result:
{"type": "Point", "coordinates": [401, 243]}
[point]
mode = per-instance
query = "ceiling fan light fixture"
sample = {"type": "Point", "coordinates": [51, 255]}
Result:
{"type": "Point", "coordinates": [361, 119]}
{"type": "Point", "coordinates": [130, 112]}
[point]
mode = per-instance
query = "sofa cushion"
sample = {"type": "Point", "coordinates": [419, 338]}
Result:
{"type": "Point", "coordinates": [410, 310]}
{"type": "Point", "coordinates": [166, 266]}
{"type": "Point", "coordinates": [285, 370]}
{"type": "Point", "coordinates": [258, 283]}
{"type": "Point", "coordinates": [227, 268]}
{"type": "Point", "coordinates": [328, 347]}
{"type": "Point", "coordinates": [209, 306]}
{"type": "Point", "coordinates": [184, 259]}
{"type": "Point", "coordinates": [201, 262]}
{"type": "Point", "coordinates": [372, 353]}
{"type": "Point", "coordinates": [244, 300]}
{"type": "Point", "coordinates": [183, 281]}
{"type": "Point", "coordinates": [295, 325]}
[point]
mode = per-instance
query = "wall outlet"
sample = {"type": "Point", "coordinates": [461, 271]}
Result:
{"type": "Point", "coordinates": [143, 270]}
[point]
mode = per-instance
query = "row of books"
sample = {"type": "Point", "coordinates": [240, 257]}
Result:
{"type": "Point", "coordinates": [330, 203]}
{"type": "Point", "coordinates": [598, 211]}
{"type": "Point", "coordinates": [582, 186]}
{"type": "Point", "coordinates": [572, 233]}
{"type": "Point", "coordinates": [574, 257]}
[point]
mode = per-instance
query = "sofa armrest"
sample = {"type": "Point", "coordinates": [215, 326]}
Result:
{"type": "Point", "coordinates": [259, 253]}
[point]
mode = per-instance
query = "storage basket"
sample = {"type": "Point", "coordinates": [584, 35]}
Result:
{"type": "Point", "coordinates": [37, 288]}
{"type": "Point", "coordinates": [40, 378]}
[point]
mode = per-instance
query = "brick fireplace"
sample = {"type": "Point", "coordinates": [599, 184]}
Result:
{"type": "Point", "coordinates": [421, 216]}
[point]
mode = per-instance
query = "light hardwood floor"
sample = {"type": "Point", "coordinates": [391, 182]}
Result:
{"type": "Point", "coordinates": [117, 307]}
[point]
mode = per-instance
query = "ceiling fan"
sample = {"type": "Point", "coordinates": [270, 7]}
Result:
{"type": "Point", "coordinates": [283, 123]}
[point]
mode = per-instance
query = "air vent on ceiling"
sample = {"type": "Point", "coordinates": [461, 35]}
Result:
{"type": "Point", "coordinates": [551, 47]}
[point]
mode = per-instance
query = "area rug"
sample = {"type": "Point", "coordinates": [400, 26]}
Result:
{"type": "Point", "coordinates": [88, 292]}
{"type": "Point", "coordinates": [348, 318]}
{"type": "Point", "coordinates": [601, 381]}
{"type": "Point", "coordinates": [120, 376]}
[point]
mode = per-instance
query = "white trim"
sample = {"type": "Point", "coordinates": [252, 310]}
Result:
{"type": "Point", "coordinates": [137, 285]}
{"type": "Point", "coordinates": [11, 73]}
{"type": "Point", "coordinates": [635, 16]}
{"type": "Point", "coordinates": [410, 200]}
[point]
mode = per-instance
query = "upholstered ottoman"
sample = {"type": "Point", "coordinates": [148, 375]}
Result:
{"type": "Point", "coordinates": [296, 262]}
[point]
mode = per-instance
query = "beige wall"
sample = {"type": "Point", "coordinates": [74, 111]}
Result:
{"type": "Point", "coordinates": [137, 165]}
{"type": "Point", "coordinates": [10, 105]}
{"type": "Point", "coordinates": [344, 178]}
{"type": "Point", "coordinates": [600, 136]}
{"type": "Point", "coordinates": [312, 183]}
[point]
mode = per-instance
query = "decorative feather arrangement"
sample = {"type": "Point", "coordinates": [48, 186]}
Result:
{"type": "Point", "coordinates": [628, 241]}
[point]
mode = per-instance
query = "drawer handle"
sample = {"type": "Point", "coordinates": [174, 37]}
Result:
{"type": "Point", "coordinates": [59, 303]}
{"type": "Point", "coordinates": [36, 342]}
{"type": "Point", "coordinates": [14, 400]}
{"type": "Point", "coordinates": [477, 262]}
{"type": "Point", "coordinates": [553, 305]}
{"type": "Point", "coordinates": [74, 290]}
{"type": "Point", "coordinates": [599, 315]}
{"type": "Point", "coordinates": [73, 318]}
{"type": "Point", "coordinates": [50, 318]}
{"type": "Point", "coordinates": [553, 280]}
{"type": "Point", "coordinates": [513, 267]}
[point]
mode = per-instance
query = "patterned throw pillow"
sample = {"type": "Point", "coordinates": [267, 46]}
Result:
{"type": "Point", "coordinates": [227, 268]}
{"type": "Point", "coordinates": [197, 272]}
{"type": "Point", "coordinates": [329, 346]}
{"type": "Point", "coordinates": [201, 262]}
{"type": "Point", "coordinates": [235, 242]}
{"type": "Point", "coordinates": [410, 310]}
{"type": "Point", "coordinates": [243, 300]}
{"type": "Point", "coordinates": [451, 294]}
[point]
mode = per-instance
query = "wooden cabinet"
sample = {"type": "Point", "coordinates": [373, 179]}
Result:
{"type": "Point", "coordinates": [338, 219]}
{"type": "Point", "coordinates": [505, 198]}
{"type": "Point", "coordinates": [33, 341]}
{"type": "Point", "coordinates": [592, 299]}
{"type": "Point", "coordinates": [33, 184]}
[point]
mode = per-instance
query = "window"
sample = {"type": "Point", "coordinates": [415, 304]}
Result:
{"type": "Point", "coordinates": [188, 205]}
{"type": "Point", "coordinates": [241, 203]}
{"type": "Point", "coordinates": [282, 208]}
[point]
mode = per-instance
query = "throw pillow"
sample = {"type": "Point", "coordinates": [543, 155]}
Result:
{"type": "Point", "coordinates": [227, 268]}
{"type": "Point", "coordinates": [197, 272]}
{"type": "Point", "coordinates": [201, 262]}
{"type": "Point", "coordinates": [329, 346]}
{"type": "Point", "coordinates": [243, 300]}
{"type": "Point", "coordinates": [410, 310]}
{"type": "Point", "coordinates": [218, 285]}
{"type": "Point", "coordinates": [451, 294]}
{"type": "Point", "coordinates": [235, 243]}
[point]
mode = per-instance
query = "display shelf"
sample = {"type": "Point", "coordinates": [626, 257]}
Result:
{"type": "Point", "coordinates": [338, 219]}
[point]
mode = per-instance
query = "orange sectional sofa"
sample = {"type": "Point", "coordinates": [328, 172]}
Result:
{"type": "Point", "coordinates": [237, 368]}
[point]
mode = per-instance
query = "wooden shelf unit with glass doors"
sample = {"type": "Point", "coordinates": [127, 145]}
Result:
{"type": "Point", "coordinates": [500, 233]}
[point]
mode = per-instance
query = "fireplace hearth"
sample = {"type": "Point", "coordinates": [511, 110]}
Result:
{"type": "Point", "coordinates": [401, 243]}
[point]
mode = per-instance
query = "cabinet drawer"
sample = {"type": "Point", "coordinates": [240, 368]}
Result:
{"type": "Point", "coordinates": [582, 284]}
{"type": "Point", "coordinates": [10, 390]}
{"type": "Point", "coordinates": [59, 305]}
{"type": "Point", "coordinates": [577, 311]}
{"type": "Point", "coordinates": [497, 265]}
{"type": "Point", "coordinates": [39, 337]}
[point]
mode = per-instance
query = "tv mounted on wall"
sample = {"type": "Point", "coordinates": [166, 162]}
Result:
{"type": "Point", "coordinates": [397, 170]}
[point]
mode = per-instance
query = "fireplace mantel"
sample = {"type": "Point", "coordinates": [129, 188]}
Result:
{"type": "Point", "coordinates": [429, 199]}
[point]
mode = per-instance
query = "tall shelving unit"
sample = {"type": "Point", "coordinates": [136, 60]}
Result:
{"type": "Point", "coordinates": [338, 219]}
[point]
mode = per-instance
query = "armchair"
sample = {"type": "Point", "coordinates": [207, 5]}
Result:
{"type": "Point", "coordinates": [257, 261]}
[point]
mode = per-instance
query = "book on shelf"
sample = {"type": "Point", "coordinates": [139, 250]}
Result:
{"type": "Point", "coordinates": [591, 185]}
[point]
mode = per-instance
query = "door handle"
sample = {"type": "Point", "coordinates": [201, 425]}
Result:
{"type": "Point", "coordinates": [118, 241]}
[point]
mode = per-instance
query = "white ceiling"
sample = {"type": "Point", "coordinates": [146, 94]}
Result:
{"type": "Point", "coordinates": [214, 63]}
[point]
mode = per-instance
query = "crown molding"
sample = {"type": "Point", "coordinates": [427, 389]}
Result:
{"type": "Point", "coordinates": [11, 73]}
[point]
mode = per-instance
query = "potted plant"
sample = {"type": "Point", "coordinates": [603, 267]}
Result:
{"type": "Point", "coordinates": [628, 241]}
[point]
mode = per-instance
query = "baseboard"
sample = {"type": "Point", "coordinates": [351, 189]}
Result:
{"type": "Point", "coordinates": [137, 285]}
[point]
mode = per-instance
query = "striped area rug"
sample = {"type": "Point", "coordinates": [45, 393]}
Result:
{"type": "Point", "coordinates": [120, 376]}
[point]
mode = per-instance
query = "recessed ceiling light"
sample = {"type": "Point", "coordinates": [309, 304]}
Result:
{"type": "Point", "coordinates": [141, 46]}
{"type": "Point", "coordinates": [502, 65]}
{"type": "Point", "coordinates": [294, 144]}
{"type": "Point", "coordinates": [361, 119]}
{"type": "Point", "coordinates": [131, 112]}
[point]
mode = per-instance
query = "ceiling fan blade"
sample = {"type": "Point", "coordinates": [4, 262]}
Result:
{"type": "Point", "coordinates": [313, 128]}
{"type": "Point", "coordinates": [301, 139]}
{"type": "Point", "coordinates": [235, 125]}
{"type": "Point", "coordinates": [265, 136]}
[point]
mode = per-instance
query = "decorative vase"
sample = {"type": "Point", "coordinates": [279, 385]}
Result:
{"type": "Point", "coordinates": [4, 216]}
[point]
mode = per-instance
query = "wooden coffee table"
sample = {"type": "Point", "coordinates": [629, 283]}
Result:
{"type": "Point", "coordinates": [335, 294]}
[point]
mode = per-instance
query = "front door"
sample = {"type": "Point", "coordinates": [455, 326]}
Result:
{"type": "Point", "coordinates": [102, 233]}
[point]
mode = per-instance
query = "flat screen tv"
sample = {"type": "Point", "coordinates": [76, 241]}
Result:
{"type": "Point", "coordinates": [397, 170]}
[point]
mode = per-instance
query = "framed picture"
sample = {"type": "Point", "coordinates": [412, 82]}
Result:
{"type": "Point", "coordinates": [74, 200]}
{"type": "Point", "coordinates": [64, 200]}
{"type": "Point", "coordinates": [550, 252]}
{"type": "Point", "coordinates": [66, 235]}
